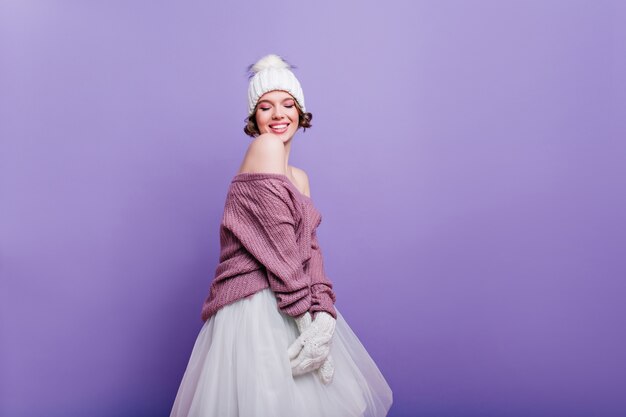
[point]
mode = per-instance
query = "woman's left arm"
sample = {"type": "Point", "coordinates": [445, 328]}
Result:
{"type": "Point", "coordinates": [322, 295]}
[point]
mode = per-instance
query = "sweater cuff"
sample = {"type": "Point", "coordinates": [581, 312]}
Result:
{"type": "Point", "coordinates": [294, 304]}
{"type": "Point", "coordinates": [323, 299]}
{"type": "Point", "coordinates": [327, 307]}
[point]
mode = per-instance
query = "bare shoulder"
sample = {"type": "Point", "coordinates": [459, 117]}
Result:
{"type": "Point", "coordinates": [265, 153]}
{"type": "Point", "coordinates": [303, 180]}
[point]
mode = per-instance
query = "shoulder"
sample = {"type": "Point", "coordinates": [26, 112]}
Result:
{"type": "Point", "coordinates": [266, 153]}
{"type": "Point", "coordinates": [303, 180]}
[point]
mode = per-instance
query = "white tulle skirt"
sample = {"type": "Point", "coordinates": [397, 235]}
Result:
{"type": "Point", "coordinates": [239, 367]}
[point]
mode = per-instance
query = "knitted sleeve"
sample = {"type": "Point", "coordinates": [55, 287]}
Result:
{"type": "Point", "coordinates": [322, 295]}
{"type": "Point", "coordinates": [261, 215]}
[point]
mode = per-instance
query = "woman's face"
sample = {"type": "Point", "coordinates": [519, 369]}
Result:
{"type": "Point", "coordinates": [277, 113]}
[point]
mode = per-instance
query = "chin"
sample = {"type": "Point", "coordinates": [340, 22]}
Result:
{"type": "Point", "coordinates": [285, 137]}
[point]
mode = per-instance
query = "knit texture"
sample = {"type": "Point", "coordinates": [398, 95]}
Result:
{"type": "Point", "coordinates": [272, 73]}
{"type": "Point", "coordinates": [268, 239]}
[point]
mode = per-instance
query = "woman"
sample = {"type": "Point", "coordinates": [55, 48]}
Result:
{"type": "Point", "coordinates": [273, 343]}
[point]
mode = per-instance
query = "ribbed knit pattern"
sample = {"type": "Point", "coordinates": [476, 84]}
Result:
{"type": "Point", "coordinates": [268, 239]}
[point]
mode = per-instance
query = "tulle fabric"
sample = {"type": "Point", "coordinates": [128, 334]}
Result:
{"type": "Point", "coordinates": [239, 367]}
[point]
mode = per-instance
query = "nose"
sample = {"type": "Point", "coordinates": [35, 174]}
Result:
{"type": "Point", "coordinates": [278, 113]}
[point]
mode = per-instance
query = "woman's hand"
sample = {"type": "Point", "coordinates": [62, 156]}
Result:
{"type": "Point", "coordinates": [311, 350]}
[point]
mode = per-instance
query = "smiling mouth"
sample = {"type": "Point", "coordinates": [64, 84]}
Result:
{"type": "Point", "coordinates": [279, 127]}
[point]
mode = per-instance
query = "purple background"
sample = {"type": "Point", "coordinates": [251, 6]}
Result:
{"type": "Point", "coordinates": [468, 159]}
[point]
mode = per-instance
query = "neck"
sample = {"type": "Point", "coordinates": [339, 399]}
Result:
{"type": "Point", "coordinates": [287, 151]}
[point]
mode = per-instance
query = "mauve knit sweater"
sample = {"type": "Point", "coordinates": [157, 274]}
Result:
{"type": "Point", "coordinates": [268, 239]}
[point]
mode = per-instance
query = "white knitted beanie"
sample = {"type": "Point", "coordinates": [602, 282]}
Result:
{"type": "Point", "coordinates": [272, 73]}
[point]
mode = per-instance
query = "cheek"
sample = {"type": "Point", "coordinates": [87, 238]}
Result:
{"type": "Point", "coordinates": [260, 119]}
{"type": "Point", "coordinates": [294, 115]}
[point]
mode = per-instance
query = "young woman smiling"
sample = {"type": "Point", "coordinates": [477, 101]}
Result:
{"type": "Point", "coordinates": [277, 113]}
{"type": "Point", "coordinates": [273, 342]}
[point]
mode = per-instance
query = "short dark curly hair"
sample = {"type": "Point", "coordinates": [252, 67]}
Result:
{"type": "Point", "coordinates": [252, 129]}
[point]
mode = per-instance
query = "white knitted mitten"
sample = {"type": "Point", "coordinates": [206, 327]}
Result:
{"type": "Point", "coordinates": [327, 369]}
{"type": "Point", "coordinates": [303, 322]}
{"type": "Point", "coordinates": [311, 350]}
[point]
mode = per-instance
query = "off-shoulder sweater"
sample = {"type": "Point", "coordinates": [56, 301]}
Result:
{"type": "Point", "coordinates": [268, 239]}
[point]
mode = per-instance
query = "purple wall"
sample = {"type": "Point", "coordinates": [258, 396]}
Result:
{"type": "Point", "coordinates": [468, 159]}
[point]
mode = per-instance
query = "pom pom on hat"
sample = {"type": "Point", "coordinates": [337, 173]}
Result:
{"type": "Point", "coordinates": [269, 61]}
{"type": "Point", "coordinates": [272, 73]}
